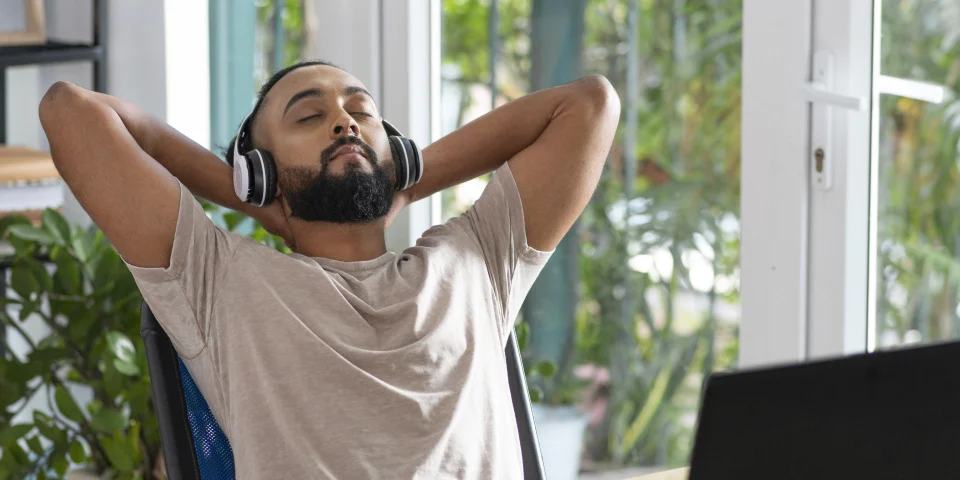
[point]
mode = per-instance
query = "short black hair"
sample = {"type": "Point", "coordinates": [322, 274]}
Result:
{"type": "Point", "coordinates": [264, 90]}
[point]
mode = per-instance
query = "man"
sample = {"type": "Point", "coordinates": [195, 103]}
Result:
{"type": "Point", "coordinates": [342, 360]}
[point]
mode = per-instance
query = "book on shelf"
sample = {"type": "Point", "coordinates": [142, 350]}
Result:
{"type": "Point", "coordinates": [29, 182]}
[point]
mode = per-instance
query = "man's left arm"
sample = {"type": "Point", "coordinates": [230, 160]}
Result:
{"type": "Point", "coordinates": [555, 140]}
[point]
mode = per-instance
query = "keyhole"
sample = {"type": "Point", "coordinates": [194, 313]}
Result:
{"type": "Point", "coordinates": [818, 156]}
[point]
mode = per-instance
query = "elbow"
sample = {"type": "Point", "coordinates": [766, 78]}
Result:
{"type": "Point", "coordinates": [53, 100]}
{"type": "Point", "coordinates": [597, 94]}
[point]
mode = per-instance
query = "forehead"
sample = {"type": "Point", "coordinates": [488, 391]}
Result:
{"type": "Point", "coordinates": [330, 80]}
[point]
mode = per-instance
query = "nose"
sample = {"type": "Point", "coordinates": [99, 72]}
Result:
{"type": "Point", "coordinates": [345, 125]}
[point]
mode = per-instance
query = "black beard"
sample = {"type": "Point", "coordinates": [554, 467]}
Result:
{"type": "Point", "coordinates": [354, 197]}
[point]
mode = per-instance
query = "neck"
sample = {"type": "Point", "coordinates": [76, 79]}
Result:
{"type": "Point", "coordinates": [344, 242]}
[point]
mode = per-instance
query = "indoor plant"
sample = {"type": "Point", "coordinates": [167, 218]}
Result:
{"type": "Point", "coordinates": [74, 313]}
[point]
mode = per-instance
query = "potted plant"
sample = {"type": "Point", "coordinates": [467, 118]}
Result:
{"type": "Point", "coordinates": [74, 316]}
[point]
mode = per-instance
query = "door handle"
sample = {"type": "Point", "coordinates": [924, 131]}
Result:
{"type": "Point", "coordinates": [819, 92]}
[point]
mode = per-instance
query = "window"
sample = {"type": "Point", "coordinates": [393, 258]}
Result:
{"type": "Point", "coordinates": [882, 268]}
{"type": "Point", "coordinates": [918, 235]}
{"type": "Point", "coordinates": [656, 295]}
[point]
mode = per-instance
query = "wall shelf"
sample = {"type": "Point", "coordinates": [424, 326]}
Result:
{"type": "Point", "coordinates": [50, 52]}
{"type": "Point", "coordinates": [54, 51]}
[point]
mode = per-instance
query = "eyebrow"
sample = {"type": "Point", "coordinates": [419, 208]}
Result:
{"type": "Point", "coordinates": [317, 93]}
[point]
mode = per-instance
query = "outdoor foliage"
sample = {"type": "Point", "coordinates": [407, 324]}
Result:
{"type": "Point", "coordinates": [919, 233]}
{"type": "Point", "coordinates": [659, 280]}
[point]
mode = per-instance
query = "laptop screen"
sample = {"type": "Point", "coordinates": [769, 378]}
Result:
{"type": "Point", "coordinates": [893, 414]}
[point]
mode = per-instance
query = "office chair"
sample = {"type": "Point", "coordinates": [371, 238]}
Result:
{"type": "Point", "coordinates": [194, 446]}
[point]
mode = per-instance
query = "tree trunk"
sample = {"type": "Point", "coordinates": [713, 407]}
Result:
{"type": "Point", "coordinates": [556, 45]}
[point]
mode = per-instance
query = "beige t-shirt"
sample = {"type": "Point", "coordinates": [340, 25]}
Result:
{"type": "Point", "coordinates": [387, 368]}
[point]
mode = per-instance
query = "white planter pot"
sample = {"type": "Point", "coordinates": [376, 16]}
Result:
{"type": "Point", "coordinates": [560, 431]}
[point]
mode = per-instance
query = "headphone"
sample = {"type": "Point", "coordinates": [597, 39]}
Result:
{"type": "Point", "coordinates": [255, 173]}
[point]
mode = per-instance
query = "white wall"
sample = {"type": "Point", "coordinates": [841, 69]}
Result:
{"type": "Point", "coordinates": [348, 36]}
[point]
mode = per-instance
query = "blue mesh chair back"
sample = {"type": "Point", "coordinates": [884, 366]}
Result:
{"type": "Point", "coordinates": [214, 455]}
{"type": "Point", "coordinates": [194, 445]}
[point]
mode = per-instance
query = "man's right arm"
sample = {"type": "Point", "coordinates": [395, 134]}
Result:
{"type": "Point", "coordinates": [123, 166]}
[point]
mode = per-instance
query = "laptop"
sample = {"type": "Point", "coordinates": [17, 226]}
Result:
{"type": "Point", "coordinates": [887, 415]}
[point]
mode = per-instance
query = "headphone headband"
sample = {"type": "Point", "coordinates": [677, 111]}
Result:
{"type": "Point", "coordinates": [241, 137]}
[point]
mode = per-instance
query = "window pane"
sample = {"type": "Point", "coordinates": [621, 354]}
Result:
{"type": "Point", "coordinates": [918, 263]}
{"type": "Point", "coordinates": [658, 304]}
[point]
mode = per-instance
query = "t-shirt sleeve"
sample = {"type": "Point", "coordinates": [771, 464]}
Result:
{"type": "Point", "coordinates": [182, 294]}
{"type": "Point", "coordinates": [513, 265]}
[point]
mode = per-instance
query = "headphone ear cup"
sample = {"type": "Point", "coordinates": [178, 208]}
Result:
{"type": "Point", "coordinates": [416, 162]}
{"type": "Point", "coordinates": [399, 154]}
{"type": "Point", "coordinates": [264, 174]}
{"type": "Point", "coordinates": [270, 177]}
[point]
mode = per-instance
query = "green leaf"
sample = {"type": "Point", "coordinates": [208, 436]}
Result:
{"type": "Point", "coordinates": [523, 334]}
{"type": "Point", "coordinates": [60, 465]}
{"type": "Point", "coordinates": [74, 376]}
{"type": "Point", "coordinates": [108, 420]}
{"type": "Point", "coordinates": [85, 245]}
{"type": "Point", "coordinates": [7, 222]}
{"type": "Point", "coordinates": [67, 405]}
{"type": "Point", "coordinates": [118, 452]}
{"type": "Point", "coordinates": [78, 454]}
{"type": "Point", "coordinates": [18, 454]}
{"type": "Point", "coordinates": [48, 429]}
{"type": "Point", "coordinates": [546, 369]}
{"type": "Point", "coordinates": [13, 433]}
{"type": "Point", "coordinates": [23, 248]}
{"type": "Point", "coordinates": [232, 219]}
{"type": "Point", "coordinates": [81, 325]}
{"type": "Point", "coordinates": [10, 394]}
{"type": "Point", "coordinates": [34, 444]}
{"type": "Point", "coordinates": [31, 233]}
{"type": "Point", "coordinates": [67, 278]}
{"type": "Point", "coordinates": [23, 372]}
{"type": "Point", "coordinates": [94, 407]}
{"type": "Point", "coordinates": [134, 440]}
{"type": "Point", "coordinates": [23, 282]}
{"type": "Point", "coordinates": [27, 309]}
{"type": "Point", "coordinates": [105, 272]}
{"type": "Point", "coordinates": [126, 368]}
{"type": "Point", "coordinates": [121, 346]}
{"type": "Point", "coordinates": [536, 395]}
{"type": "Point", "coordinates": [48, 355]}
{"type": "Point", "coordinates": [56, 225]}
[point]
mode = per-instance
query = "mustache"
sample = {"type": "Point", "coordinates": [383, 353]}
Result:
{"type": "Point", "coordinates": [328, 152]}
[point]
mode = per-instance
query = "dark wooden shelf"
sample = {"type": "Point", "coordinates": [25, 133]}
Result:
{"type": "Point", "coordinates": [50, 52]}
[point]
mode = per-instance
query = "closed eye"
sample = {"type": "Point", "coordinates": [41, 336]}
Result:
{"type": "Point", "coordinates": [304, 119]}
{"type": "Point", "coordinates": [364, 114]}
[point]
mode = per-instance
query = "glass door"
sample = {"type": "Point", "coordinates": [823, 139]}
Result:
{"type": "Point", "coordinates": [882, 159]}
{"type": "Point", "coordinates": [914, 210]}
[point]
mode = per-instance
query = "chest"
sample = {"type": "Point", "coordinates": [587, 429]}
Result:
{"type": "Point", "coordinates": [418, 326]}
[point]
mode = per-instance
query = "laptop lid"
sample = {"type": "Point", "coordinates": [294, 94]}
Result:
{"type": "Point", "coordinates": [887, 415]}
